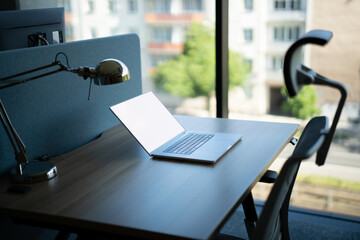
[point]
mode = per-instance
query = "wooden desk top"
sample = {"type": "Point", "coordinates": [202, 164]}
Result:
{"type": "Point", "coordinates": [112, 185]}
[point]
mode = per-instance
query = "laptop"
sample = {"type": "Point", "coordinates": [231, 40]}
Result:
{"type": "Point", "coordinates": [162, 136]}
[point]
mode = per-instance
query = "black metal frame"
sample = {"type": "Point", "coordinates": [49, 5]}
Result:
{"type": "Point", "coordinates": [222, 57]}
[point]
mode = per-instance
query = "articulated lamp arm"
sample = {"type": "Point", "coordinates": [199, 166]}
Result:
{"type": "Point", "coordinates": [11, 80]}
{"type": "Point", "coordinates": [108, 71]}
{"type": "Point", "coordinates": [17, 144]}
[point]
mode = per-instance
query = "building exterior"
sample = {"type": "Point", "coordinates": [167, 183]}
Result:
{"type": "Point", "coordinates": [262, 31]}
{"type": "Point", "coordinates": [339, 60]}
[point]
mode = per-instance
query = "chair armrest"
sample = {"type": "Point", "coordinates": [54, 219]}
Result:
{"type": "Point", "coordinates": [269, 176]}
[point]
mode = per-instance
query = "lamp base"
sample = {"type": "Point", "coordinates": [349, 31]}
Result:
{"type": "Point", "coordinates": [34, 171]}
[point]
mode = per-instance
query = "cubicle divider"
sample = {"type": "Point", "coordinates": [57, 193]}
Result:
{"type": "Point", "coordinates": [52, 114]}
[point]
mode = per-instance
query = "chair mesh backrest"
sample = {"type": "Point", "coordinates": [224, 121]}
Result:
{"type": "Point", "coordinates": [310, 141]}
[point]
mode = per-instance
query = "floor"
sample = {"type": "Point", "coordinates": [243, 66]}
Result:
{"type": "Point", "coordinates": [304, 224]}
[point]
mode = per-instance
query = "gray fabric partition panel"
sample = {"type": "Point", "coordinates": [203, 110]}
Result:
{"type": "Point", "coordinates": [52, 115]}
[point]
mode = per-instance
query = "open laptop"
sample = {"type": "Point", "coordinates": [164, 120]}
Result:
{"type": "Point", "coordinates": [162, 136]}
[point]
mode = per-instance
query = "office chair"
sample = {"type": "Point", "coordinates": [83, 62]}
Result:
{"type": "Point", "coordinates": [296, 75]}
{"type": "Point", "coordinates": [273, 221]}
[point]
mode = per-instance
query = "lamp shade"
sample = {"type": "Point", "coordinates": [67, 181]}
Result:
{"type": "Point", "coordinates": [111, 71]}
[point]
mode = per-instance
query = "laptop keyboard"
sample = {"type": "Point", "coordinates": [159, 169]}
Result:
{"type": "Point", "coordinates": [189, 143]}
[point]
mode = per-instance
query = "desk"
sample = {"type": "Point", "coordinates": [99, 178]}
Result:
{"type": "Point", "coordinates": [111, 185]}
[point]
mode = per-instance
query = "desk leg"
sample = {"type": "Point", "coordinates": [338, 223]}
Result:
{"type": "Point", "coordinates": [250, 214]}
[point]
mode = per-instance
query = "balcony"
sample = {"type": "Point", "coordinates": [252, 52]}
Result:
{"type": "Point", "coordinates": [167, 18]}
{"type": "Point", "coordinates": [165, 48]}
{"type": "Point", "coordinates": [68, 17]}
{"type": "Point", "coordinates": [287, 16]}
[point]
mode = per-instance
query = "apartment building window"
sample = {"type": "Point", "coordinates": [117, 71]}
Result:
{"type": "Point", "coordinates": [286, 33]}
{"type": "Point", "coordinates": [248, 63]}
{"type": "Point", "coordinates": [132, 6]}
{"type": "Point", "coordinates": [281, 5]}
{"type": "Point", "coordinates": [192, 5]}
{"type": "Point", "coordinates": [248, 35]}
{"type": "Point", "coordinates": [112, 6]}
{"type": "Point", "coordinates": [275, 63]}
{"type": "Point", "coordinates": [91, 6]}
{"type": "Point", "coordinates": [162, 35]}
{"type": "Point", "coordinates": [159, 6]}
{"type": "Point", "coordinates": [248, 5]}
{"type": "Point", "coordinates": [295, 4]}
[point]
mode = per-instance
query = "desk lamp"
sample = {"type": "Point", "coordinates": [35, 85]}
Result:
{"type": "Point", "coordinates": [108, 71]}
{"type": "Point", "coordinates": [296, 75]}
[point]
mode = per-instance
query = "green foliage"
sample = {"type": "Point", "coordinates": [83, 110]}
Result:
{"type": "Point", "coordinates": [303, 105]}
{"type": "Point", "coordinates": [192, 73]}
{"type": "Point", "coordinates": [329, 182]}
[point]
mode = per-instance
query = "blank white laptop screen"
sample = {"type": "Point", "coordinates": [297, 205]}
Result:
{"type": "Point", "coordinates": [148, 119]}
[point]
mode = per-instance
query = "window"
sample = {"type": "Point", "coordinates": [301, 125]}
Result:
{"type": "Point", "coordinates": [192, 5]}
{"type": "Point", "coordinates": [275, 63]}
{"type": "Point", "coordinates": [281, 5]}
{"type": "Point", "coordinates": [295, 4]}
{"type": "Point", "coordinates": [91, 6]}
{"type": "Point", "coordinates": [248, 35]}
{"type": "Point", "coordinates": [249, 63]}
{"type": "Point", "coordinates": [286, 34]}
{"type": "Point", "coordinates": [159, 6]}
{"type": "Point", "coordinates": [132, 6]}
{"type": "Point", "coordinates": [112, 6]}
{"type": "Point", "coordinates": [248, 5]}
{"type": "Point", "coordinates": [279, 33]}
{"type": "Point", "coordinates": [162, 35]}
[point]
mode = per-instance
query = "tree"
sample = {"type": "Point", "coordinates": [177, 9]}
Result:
{"type": "Point", "coordinates": [303, 105]}
{"type": "Point", "coordinates": [192, 73]}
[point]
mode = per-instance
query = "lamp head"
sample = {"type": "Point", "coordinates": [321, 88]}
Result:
{"type": "Point", "coordinates": [108, 71]}
{"type": "Point", "coordinates": [111, 71]}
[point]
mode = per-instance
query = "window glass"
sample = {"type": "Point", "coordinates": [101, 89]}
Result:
{"type": "Point", "coordinates": [160, 34]}
{"type": "Point", "coordinates": [112, 6]}
{"type": "Point", "coordinates": [192, 5]}
{"type": "Point", "coordinates": [248, 5]}
{"type": "Point", "coordinates": [159, 6]}
{"type": "Point", "coordinates": [261, 96]}
{"type": "Point", "coordinates": [132, 6]}
{"type": "Point", "coordinates": [248, 35]}
{"type": "Point", "coordinates": [91, 6]}
{"type": "Point", "coordinates": [286, 33]}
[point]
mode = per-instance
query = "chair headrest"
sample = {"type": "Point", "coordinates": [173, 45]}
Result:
{"type": "Point", "coordinates": [293, 58]}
